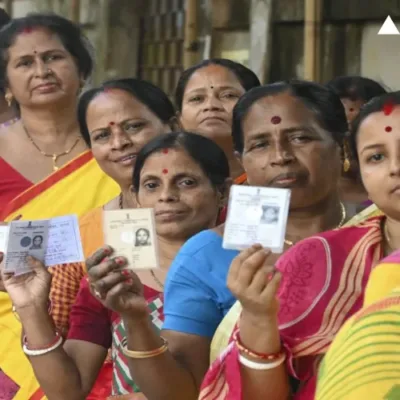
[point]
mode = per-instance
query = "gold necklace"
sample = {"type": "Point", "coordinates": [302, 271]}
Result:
{"type": "Point", "coordinates": [344, 214]}
{"type": "Point", "coordinates": [54, 156]}
{"type": "Point", "coordinates": [387, 237]}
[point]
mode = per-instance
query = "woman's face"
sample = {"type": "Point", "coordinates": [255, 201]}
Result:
{"type": "Point", "coordinates": [119, 126]}
{"type": "Point", "coordinates": [208, 101]}
{"type": "Point", "coordinates": [37, 241]}
{"type": "Point", "coordinates": [182, 196]}
{"type": "Point", "coordinates": [142, 236]}
{"type": "Point", "coordinates": [379, 157]}
{"type": "Point", "coordinates": [40, 71]}
{"type": "Point", "coordinates": [352, 108]}
{"type": "Point", "coordinates": [285, 147]}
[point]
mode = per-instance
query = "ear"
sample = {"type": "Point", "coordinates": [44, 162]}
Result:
{"type": "Point", "coordinates": [174, 124]}
{"type": "Point", "coordinates": [238, 157]}
{"type": "Point", "coordinates": [224, 192]}
{"type": "Point", "coordinates": [134, 195]}
{"type": "Point", "coordinates": [178, 118]}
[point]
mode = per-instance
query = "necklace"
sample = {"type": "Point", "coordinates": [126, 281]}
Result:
{"type": "Point", "coordinates": [344, 214]}
{"type": "Point", "coordinates": [121, 202]}
{"type": "Point", "coordinates": [159, 283]}
{"type": "Point", "coordinates": [54, 156]}
{"type": "Point", "coordinates": [387, 237]}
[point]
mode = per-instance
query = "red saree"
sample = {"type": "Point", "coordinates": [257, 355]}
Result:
{"type": "Point", "coordinates": [324, 278]}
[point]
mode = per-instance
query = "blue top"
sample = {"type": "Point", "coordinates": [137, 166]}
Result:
{"type": "Point", "coordinates": [196, 295]}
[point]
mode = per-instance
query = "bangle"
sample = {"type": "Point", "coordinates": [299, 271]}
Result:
{"type": "Point", "coordinates": [144, 354]}
{"type": "Point", "coordinates": [57, 342]}
{"type": "Point", "coordinates": [261, 366]}
{"type": "Point", "coordinates": [253, 354]}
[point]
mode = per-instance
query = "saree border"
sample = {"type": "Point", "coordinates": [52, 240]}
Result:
{"type": "Point", "coordinates": [46, 183]}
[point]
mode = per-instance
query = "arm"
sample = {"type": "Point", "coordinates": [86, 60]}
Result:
{"type": "Point", "coordinates": [173, 375]}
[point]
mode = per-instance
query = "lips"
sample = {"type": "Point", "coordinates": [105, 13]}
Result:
{"type": "Point", "coordinates": [287, 180]}
{"type": "Point", "coordinates": [396, 189]}
{"type": "Point", "coordinates": [126, 158]}
{"type": "Point", "coordinates": [46, 85]}
{"type": "Point", "coordinates": [213, 118]}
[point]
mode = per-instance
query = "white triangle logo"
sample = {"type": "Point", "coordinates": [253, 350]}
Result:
{"type": "Point", "coordinates": [388, 27]}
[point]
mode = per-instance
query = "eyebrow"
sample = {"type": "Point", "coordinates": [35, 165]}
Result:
{"type": "Point", "coordinates": [119, 123]}
{"type": "Point", "coordinates": [286, 131]}
{"type": "Point", "coordinates": [175, 177]}
{"type": "Point", "coordinates": [203, 88]}
{"type": "Point", "coordinates": [371, 147]}
{"type": "Point", "coordinates": [41, 53]}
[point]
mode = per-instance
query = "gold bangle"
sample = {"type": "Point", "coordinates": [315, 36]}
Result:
{"type": "Point", "coordinates": [143, 354]}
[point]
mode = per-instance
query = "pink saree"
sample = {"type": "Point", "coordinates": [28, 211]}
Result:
{"type": "Point", "coordinates": [324, 278]}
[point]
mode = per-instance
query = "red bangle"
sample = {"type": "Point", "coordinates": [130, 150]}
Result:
{"type": "Point", "coordinates": [48, 346]}
{"type": "Point", "coordinates": [253, 354]}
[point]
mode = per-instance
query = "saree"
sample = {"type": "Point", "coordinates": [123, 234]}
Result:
{"type": "Point", "coordinates": [75, 188]}
{"type": "Point", "coordinates": [363, 360]}
{"type": "Point", "coordinates": [315, 300]}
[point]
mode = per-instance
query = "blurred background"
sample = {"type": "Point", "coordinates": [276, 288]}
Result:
{"type": "Point", "coordinates": [278, 39]}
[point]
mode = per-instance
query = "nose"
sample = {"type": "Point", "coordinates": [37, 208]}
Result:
{"type": "Point", "coordinates": [41, 71]}
{"type": "Point", "coordinates": [120, 140]}
{"type": "Point", "coordinates": [212, 103]}
{"type": "Point", "coordinates": [169, 193]}
{"type": "Point", "coordinates": [395, 165]}
{"type": "Point", "coordinates": [281, 154]}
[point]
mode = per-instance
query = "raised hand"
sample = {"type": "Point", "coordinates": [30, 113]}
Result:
{"type": "Point", "coordinates": [118, 288]}
{"type": "Point", "coordinates": [254, 282]}
{"type": "Point", "coordinates": [29, 290]}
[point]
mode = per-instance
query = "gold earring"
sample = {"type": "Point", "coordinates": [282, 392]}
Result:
{"type": "Point", "coordinates": [9, 99]}
{"type": "Point", "coordinates": [346, 164]}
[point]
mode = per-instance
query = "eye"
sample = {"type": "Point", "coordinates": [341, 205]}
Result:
{"type": "Point", "coordinates": [300, 139]}
{"type": "Point", "coordinates": [24, 63]}
{"type": "Point", "coordinates": [259, 145]}
{"type": "Point", "coordinates": [101, 136]}
{"type": "Point", "coordinates": [195, 99]}
{"type": "Point", "coordinates": [53, 57]}
{"type": "Point", "coordinates": [187, 182]}
{"type": "Point", "coordinates": [375, 158]}
{"type": "Point", "coordinates": [229, 96]}
{"type": "Point", "coordinates": [131, 127]}
{"type": "Point", "coordinates": [150, 185]}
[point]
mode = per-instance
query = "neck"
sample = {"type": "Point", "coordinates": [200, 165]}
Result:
{"type": "Point", "coordinates": [6, 113]}
{"type": "Point", "coordinates": [51, 124]}
{"type": "Point", "coordinates": [168, 250]}
{"type": "Point", "coordinates": [392, 233]}
{"type": "Point", "coordinates": [128, 199]}
{"type": "Point", "coordinates": [309, 221]}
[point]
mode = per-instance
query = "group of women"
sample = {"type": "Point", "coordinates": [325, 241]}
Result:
{"type": "Point", "coordinates": [209, 323]}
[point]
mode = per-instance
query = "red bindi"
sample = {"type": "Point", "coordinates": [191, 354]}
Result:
{"type": "Point", "coordinates": [351, 109]}
{"type": "Point", "coordinates": [388, 129]}
{"type": "Point", "coordinates": [28, 30]}
{"type": "Point", "coordinates": [276, 120]}
{"type": "Point", "coordinates": [165, 171]}
{"type": "Point", "coordinates": [388, 108]}
{"type": "Point", "coordinates": [165, 151]}
{"type": "Point", "coordinates": [112, 123]}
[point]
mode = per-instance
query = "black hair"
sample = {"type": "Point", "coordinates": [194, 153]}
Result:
{"type": "Point", "coordinates": [147, 93]}
{"type": "Point", "coordinates": [247, 78]}
{"type": "Point", "coordinates": [377, 104]}
{"type": "Point", "coordinates": [37, 236]}
{"type": "Point", "coordinates": [205, 152]}
{"type": "Point", "coordinates": [356, 88]}
{"type": "Point", "coordinates": [4, 18]}
{"type": "Point", "coordinates": [325, 104]}
{"type": "Point", "coordinates": [70, 34]}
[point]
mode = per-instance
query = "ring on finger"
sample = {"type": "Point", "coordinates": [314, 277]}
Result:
{"type": "Point", "coordinates": [96, 292]}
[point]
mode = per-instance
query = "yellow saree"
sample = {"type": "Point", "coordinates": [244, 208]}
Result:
{"type": "Point", "coordinates": [224, 332]}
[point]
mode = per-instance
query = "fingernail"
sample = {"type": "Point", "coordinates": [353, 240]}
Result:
{"type": "Point", "coordinates": [125, 272]}
{"type": "Point", "coordinates": [120, 261]}
{"type": "Point", "coordinates": [107, 250]}
{"type": "Point", "coordinates": [270, 276]}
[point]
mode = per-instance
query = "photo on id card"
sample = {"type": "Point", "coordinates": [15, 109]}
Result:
{"type": "Point", "coordinates": [256, 215]}
{"type": "Point", "coordinates": [25, 238]}
{"type": "Point", "coordinates": [132, 234]}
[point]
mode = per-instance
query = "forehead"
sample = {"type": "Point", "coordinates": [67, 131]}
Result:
{"type": "Point", "coordinates": [212, 75]}
{"type": "Point", "coordinates": [176, 161]}
{"type": "Point", "coordinates": [291, 111]}
{"type": "Point", "coordinates": [372, 129]}
{"type": "Point", "coordinates": [115, 105]}
{"type": "Point", "coordinates": [38, 39]}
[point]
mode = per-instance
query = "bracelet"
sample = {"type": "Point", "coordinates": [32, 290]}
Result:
{"type": "Point", "coordinates": [253, 354]}
{"type": "Point", "coordinates": [144, 354]}
{"type": "Point", "coordinates": [261, 366]}
{"type": "Point", "coordinates": [57, 342]}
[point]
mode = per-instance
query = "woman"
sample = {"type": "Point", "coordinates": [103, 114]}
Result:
{"type": "Point", "coordinates": [316, 303]}
{"type": "Point", "coordinates": [205, 96]}
{"type": "Point", "coordinates": [140, 111]}
{"type": "Point", "coordinates": [290, 154]}
{"type": "Point", "coordinates": [185, 178]}
{"type": "Point", "coordinates": [45, 165]}
{"type": "Point", "coordinates": [354, 92]}
{"type": "Point", "coordinates": [362, 362]}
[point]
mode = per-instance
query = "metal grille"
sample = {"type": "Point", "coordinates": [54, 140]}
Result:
{"type": "Point", "coordinates": [161, 50]}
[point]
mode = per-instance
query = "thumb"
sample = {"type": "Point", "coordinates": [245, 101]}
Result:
{"type": "Point", "coordinates": [35, 264]}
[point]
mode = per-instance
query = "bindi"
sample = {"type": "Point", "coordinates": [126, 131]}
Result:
{"type": "Point", "coordinates": [388, 129]}
{"type": "Point", "coordinates": [351, 109]}
{"type": "Point", "coordinates": [276, 120]}
{"type": "Point", "coordinates": [165, 171]}
{"type": "Point", "coordinates": [111, 123]}
{"type": "Point", "coordinates": [388, 108]}
{"type": "Point", "coordinates": [27, 30]}
{"type": "Point", "coordinates": [165, 151]}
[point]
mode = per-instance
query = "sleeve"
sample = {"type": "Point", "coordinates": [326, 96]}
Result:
{"type": "Point", "coordinates": [89, 319]}
{"type": "Point", "coordinates": [191, 305]}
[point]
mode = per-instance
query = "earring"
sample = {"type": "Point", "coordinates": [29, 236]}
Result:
{"type": "Point", "coordinates": [346, 164]}
{"type": "Point", "coordinates": [9, 99]}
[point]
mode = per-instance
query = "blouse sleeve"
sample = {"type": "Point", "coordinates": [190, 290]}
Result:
{"type": "Point", "coordinates": [89, 320]}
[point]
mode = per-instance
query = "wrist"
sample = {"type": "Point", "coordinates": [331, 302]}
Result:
{"type": "Point", "coordinates": [259, 321]}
